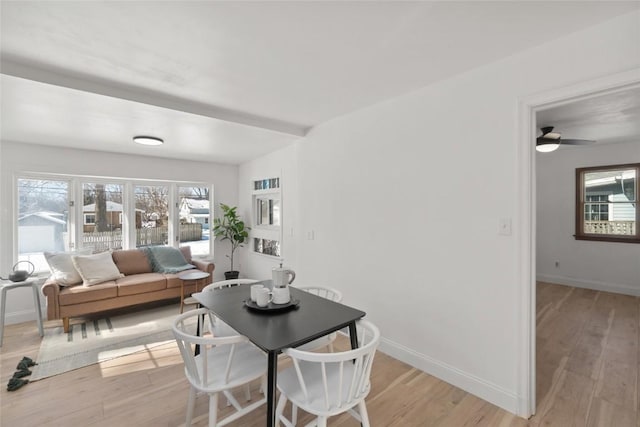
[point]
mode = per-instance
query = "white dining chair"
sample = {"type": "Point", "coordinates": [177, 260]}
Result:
{"type": "Point", "coordinates": [228, 283]}
{"type": "Point", "coordinates": [327, 384]}
{"type": "Point", "coordinates": [216, 326]}
{"type": "Point", "coordinates": [330, 294]}
{"type": "Point", "coordinates": [224, 363]}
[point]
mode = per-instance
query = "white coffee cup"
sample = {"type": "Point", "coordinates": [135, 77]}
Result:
{"type": "Point", "coordinates": [254, 288]}
{"type": "Point", "coordinates": [281, 295]}
{"type": "Point", "coordinates": [263, 297]}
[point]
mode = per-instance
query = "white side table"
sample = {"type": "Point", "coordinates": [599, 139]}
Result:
{"type": "Point", "coordinates": [188, 277]}
{"type": "Point", "coordinates": [6, 286]}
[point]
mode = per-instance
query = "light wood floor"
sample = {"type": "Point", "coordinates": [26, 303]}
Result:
{"type": "Point", "coordinates": [587, 376]}
{"type": "Point", "coordinates": [587, 357]}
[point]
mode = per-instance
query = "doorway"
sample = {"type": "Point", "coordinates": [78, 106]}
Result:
{"type": "Point", "coordinates": [528, 109]}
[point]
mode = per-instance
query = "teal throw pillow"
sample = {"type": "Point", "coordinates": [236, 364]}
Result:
{"type": "Point", "coordinates": [165, 259]}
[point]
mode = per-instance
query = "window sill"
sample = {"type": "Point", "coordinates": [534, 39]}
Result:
{"type": "Point", "coordinates": [266, 255]}
{"type": "Point", "coordinates": [608, 238]}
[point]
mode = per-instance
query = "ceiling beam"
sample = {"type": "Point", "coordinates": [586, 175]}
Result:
{"type": "Point", "coordinates": [60, 77]}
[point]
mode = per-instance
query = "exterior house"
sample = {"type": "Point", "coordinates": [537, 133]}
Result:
{"type": "Point", "coordinates": [38, 231]}
{"type": "Point", "coordinates": [114, 217]}
{"type": "Point", "coordinates": [195, 211]}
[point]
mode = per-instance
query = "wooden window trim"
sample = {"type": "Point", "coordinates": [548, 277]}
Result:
{"type": "Point", "coordinates": [579, 213]}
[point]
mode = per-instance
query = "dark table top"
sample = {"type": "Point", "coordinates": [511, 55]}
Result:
{"type": "Point", "coordinates": [273, 331]}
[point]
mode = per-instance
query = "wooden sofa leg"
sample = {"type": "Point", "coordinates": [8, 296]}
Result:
{"type": "Point", "coordinates": [65, 324]}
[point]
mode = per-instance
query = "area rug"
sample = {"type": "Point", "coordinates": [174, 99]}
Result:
{"type": "Point", "coordinates": [96, 340]}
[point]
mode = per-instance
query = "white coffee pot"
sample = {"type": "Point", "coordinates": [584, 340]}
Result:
{"type": "Point", "coordinates": [282, 277]}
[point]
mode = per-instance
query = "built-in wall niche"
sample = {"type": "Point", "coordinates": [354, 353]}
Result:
{"type": "Point", "coordinates": [267, 217]}
{"type": "Point", "coordinates": [266, 247]}
{"type": "Point", "coordinates": [267, 211]}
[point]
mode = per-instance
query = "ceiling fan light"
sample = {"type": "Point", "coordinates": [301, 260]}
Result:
{"type": "Point", "coordinates": [147, 140]}
{"type": "Point", "coordinates": [547, 146]}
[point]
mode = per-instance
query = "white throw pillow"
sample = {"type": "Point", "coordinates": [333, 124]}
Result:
{"type": "Point", "coordinates": [61, 266]}
{"type": "Point", "coordinates": [96, 268]}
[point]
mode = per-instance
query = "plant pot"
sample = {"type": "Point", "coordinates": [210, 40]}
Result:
{"type": "Point", "coordinates": [228, 275]}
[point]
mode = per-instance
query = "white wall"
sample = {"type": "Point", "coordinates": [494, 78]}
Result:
{"type": "Point", "coordinates": [282, 164]}
{"type": "Point", "coordinates": [404, 198]}
{"type": "Point", "coordinates": [607, 266]}
{"type": "Point", "coordinates": [16, 158]}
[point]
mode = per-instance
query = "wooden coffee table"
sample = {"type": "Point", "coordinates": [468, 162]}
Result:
{"type": "Point", "coordinates": [187, 278]}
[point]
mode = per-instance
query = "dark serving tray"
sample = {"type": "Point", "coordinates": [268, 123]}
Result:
{"type": "Point", "coordinates": [271, 307]}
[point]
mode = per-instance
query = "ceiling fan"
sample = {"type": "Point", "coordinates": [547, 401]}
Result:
{"type": "Point", "coordinates": [550, 140]}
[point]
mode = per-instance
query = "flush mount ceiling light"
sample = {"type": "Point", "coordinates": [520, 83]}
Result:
{"type": "Point", "coordinates": [147, 140]}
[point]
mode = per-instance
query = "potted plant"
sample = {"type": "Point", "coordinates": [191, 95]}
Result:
{"type": "Point", "coordinates": [230, 227]}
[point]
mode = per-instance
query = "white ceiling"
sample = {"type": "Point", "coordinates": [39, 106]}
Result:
{"type": "Point", "coordinates": [231, 81]}
{"type": "Point", "coordinates": [606, 119]}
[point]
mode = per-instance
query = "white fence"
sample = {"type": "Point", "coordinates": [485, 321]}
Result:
{"type": "Point", "coordinates": [624, 228]}
{"type": "Point", "coordinates": [105, 240]}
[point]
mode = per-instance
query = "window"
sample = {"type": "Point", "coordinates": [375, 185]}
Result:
{"type": "Point", "coordinates": [43, 219]}
{"type": "Point", "coordinates": [60, 213]}
{"type": "Point", "coordinates": [267, 217]}
{"type": "Point", "coordinates": [102, 208]}
{"type": "Point", "coordinates": [606, 203]}
{"type": "Point", "coordinates": [195, 209]}
{"type": "Point", "coordinates": [596, 207]}
{"type": "Point", "coordinates": [152, 202]}
{"type": "Point", "coordinates": [89, 219]}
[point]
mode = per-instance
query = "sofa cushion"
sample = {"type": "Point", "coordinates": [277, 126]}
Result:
{"type": "Point", "coordinates": [186, 253]}
{"type": "Point", "coordinates": [173, 281]}
{"type": "Point", "coordinates": [82, 294]}
{"type": "Point", "coordinates": [62, 268]}
{"type": "Point", "coordinates": [141, 283]}
{"type": "Point", "coordinates": [97, 268]}
{"type": "Point", "coordinates": [132, 261]}
{"type": "Point", "coordinates": [165, 259]}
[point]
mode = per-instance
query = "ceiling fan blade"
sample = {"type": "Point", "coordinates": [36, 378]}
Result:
{"type": "Point", "coordinates": [576, 142]}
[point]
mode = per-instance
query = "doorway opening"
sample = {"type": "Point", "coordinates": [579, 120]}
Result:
{"type": "Point", "coordinates": [528, 131]}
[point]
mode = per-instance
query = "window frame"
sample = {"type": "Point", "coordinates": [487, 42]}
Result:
{"type": "Point", "coordinates": [580, 205]}
{"type": "Point", "coordinates": [76, 215]}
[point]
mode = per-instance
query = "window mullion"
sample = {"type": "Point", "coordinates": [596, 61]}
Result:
{"type": "Point", "coordinates": [129, 225]}
{"type": "Point", "coordinates": [172, 226]}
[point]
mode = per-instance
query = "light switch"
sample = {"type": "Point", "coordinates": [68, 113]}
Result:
{"type": "Point", "coordinates": [311, 235]}
{"type": "Point", "coordinates": [504, 226]}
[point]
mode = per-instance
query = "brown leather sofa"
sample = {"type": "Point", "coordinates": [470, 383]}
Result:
{"type": "Point", "coordinates": [138, 286]}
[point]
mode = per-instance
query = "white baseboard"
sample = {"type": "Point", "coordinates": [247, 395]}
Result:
{"type": "Point", "coordinates": [22, 316]}
{"type": "Point", "coordinates": [590, 284]}
{"type": "Point", "coordinates": [483, 389]}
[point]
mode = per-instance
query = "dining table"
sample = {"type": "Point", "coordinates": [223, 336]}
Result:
{"type": "Point", "coordinates": [305, 319]}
